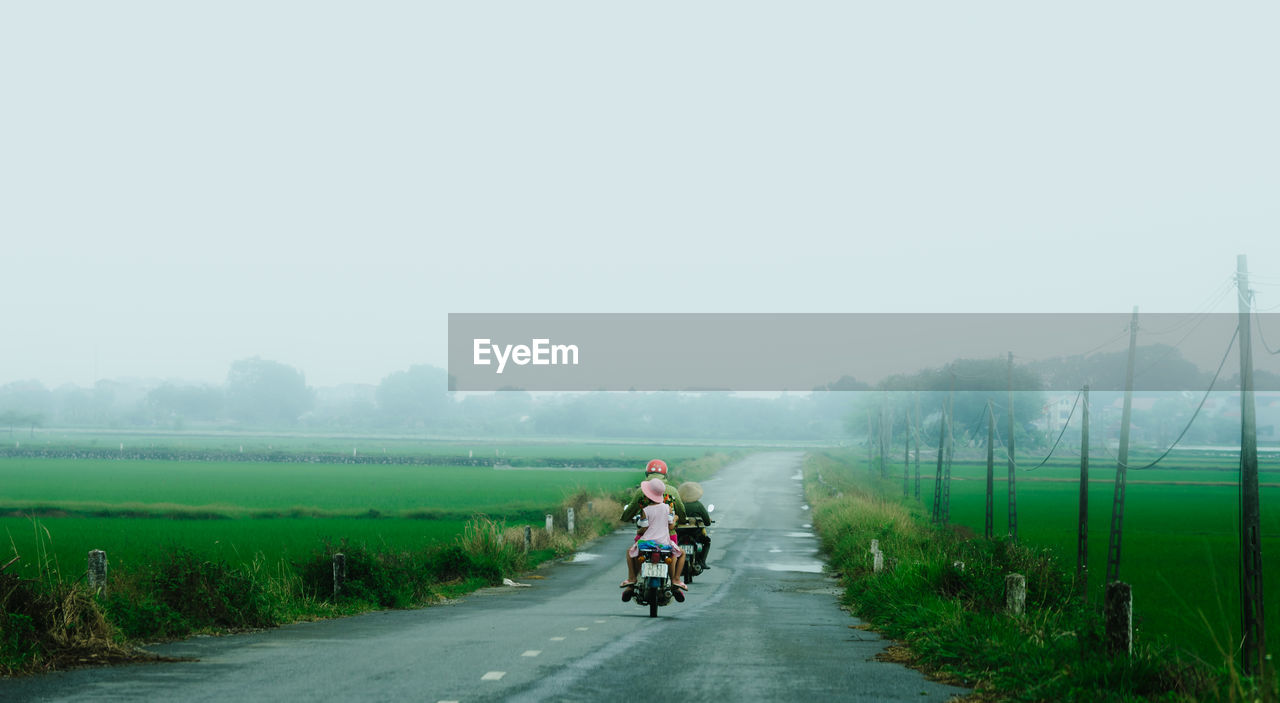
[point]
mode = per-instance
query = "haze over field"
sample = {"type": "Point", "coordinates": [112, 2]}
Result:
{"type": "Point", "coordinates": [190, 186]}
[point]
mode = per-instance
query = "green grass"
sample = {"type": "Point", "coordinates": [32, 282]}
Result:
{"type": "Point", "coordinates": [136, 542]}
{"type": "Point", "coordinates": [236, 487]}
{"type": "Point", "coordinates": [954, 620]}
{"type": "Point", "coordinates": [1180, 547]}
{"type": "Point", "coordinates": [394, 445]}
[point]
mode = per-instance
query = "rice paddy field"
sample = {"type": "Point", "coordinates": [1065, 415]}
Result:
{"type": "Point", "coordinates": [54, 510]}
{"type": "Point", "coordinates": [1180, 546]}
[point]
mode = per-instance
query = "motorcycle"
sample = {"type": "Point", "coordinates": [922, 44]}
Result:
{"type": "Point", "coordinates": [654, 588]}
{"type": "Point", "coordinates": [686, 535]}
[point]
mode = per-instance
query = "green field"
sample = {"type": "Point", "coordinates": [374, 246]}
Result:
{"type": "Point", "coordinates": [393, 445]}
{"type": "Point", "coordinates": [130, 541]}
{"type": "Point", "coordinates": [237, 488]}
{"type": "Point", "coordinates": [237, 510]}
{"type": "Point", "coordinates": [1181, 542]}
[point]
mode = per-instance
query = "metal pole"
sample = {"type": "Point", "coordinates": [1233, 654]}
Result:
{"type": "Point", "coordinates": [1122, 463]}
{"type": "Point", "coordinates": [937, 480]}
{"type": "Point", "coordinates": [917, 443]}
{"type": "Point", "coordinates": [1251, 615]}
{"type": "Point", "coordinates": [990, 531]}
{"type": "Point", "coordinates": [1082, 531]}
{"type": "Point", "coordinates": [1013, 493]}
{"type": "Point", "coordinates": [906, 456]}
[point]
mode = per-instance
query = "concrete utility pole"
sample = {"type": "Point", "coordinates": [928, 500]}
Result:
{"type": "Point", "coordinates": [1082, 532]}
{"type": "Point", "coordinates": [906, 456]}
{"type": "Point", "coordinates": [1122, 462]}
{"type": "Point", "coordinates": [1251, 618]}
{"type": "Point", "coordinates": [1013, 492]}
{"type": "Point", "coordinates": [916, 434]}
{"type": "Point", "coordinates": [937, 479]}
{"type": "Point", "coordinates": [991, 473]}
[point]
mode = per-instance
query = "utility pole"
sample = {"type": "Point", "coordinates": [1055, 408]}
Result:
{"type": "Point", "coordinates": [1122, 463]}
{"type": "Point", "coordinates": [884, 456]}
{"type": "Point", "coordinates": [869, 436]}
{"type": "Point", "coordinates": [1250, 513]}
{"type": "Point", "coordinates": [917, 443]}
{"type": "Point", "coordinates": [937, 480]}
{"type": "Point", "coordinates": [906, 455]}
{"type": "Point", "coordinates": [991, 473]}
{"type": "Point", "coordinates": [1082, 532]}
{"type": "Point", "coordinates": [1013, 493]}
{"type": "Point", "coordinates": [951, 451]}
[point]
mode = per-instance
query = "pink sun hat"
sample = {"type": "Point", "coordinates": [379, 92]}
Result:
{"type": "Point", "coordinates": [653, 489]}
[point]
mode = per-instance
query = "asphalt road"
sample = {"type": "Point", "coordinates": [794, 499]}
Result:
{"type": "Point", "coordinates": [761, 625]}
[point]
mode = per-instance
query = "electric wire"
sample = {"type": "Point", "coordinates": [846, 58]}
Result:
{"type": "Point", "coordinates": [1195, 414]}
{"type": "Point", "coordinates": [1004, 448]}
{"type": "Point", "coordinates": [1258, 322]}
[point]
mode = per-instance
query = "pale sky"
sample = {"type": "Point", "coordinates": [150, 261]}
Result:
{"type": "Point", "coordinates": [185, 185]}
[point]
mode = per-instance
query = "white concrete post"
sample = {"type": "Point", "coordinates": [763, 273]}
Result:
{"type": "Point", "coordinates": [569, 520]}
{"type": "Point", "coordinates": [339, 572]}
{"type": "Point", "coordinates": [1015, 589]}
{"type": "Point", "coordinates": [97, 568]}
{"type": "Point", "coordinates": [1118, 607]}
{"type": "Point", "coordinates": [550, 522]}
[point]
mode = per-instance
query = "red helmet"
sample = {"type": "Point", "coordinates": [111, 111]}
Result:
{"type": "Point", "coordinates": [657, 466]}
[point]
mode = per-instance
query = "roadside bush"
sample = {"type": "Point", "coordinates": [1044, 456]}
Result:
{"type": "Point", "coordinates": [954, 619]}
{"type": "Point", "coordinates": [46, 625]}
{"type": "Point", "coordinates": [203, 593]}
{"type": "Point", "coordinates": [384, 579]}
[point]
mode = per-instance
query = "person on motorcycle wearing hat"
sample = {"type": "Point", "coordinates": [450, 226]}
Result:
{"type": "Point", "coordinates": [691, 494]}
{"type": "Point", "coordinates": [655, 468]}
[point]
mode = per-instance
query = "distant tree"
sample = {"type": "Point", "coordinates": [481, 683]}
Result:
{"type": "Point", "coordinates": [25, 397]}
{"type": "Point", "coordinates": [418, 396]}
{"type": "Point", "coordinates": [845, 383]}
{"type": "Point", "coordinates": [171, 401]}
{"type": "Point", "coordinates": [260, 391]}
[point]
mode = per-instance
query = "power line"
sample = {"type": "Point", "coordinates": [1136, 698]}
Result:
{"type": "Point", "coordinates": [1204, 316]}
{"type": "Point", "coordinates": [1193, 415]}
{"type": "Point", "coordinates": [1263, 337]}
{"type": "Point", "coordinates": [1004, 447]}
{"type": "Point", "coordinates": [1205, 307]}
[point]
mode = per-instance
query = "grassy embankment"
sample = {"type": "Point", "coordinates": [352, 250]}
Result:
{"type": "Point", "coordinates": [248, 557]}
{"type": "Point", "coordinates": [953, 621]}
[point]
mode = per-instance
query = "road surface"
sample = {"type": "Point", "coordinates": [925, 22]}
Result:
{"type": "Point", "coordinates": [762, 625]}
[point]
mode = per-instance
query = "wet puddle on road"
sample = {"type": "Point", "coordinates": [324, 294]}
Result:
{"type": "Point", "coordinates": [809, 568]}
{"type": "Point", "coordinates": [800, 534]}
{"type": "Point", "coordinates": [580, 557]}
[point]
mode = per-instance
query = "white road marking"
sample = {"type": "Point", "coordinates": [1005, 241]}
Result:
{"type": "Point", "coordinates": [493, 676]}
{"type": "Point", "coordinates": [531, 653]}
{"type": "Point", "coordinates": [557, 639]}
{"type": "Point", "coordinates": [581, 629]}
{"type": "Point", "coordinates": [600, 621]}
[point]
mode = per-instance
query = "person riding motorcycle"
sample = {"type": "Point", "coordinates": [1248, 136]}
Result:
{"type": "Point", "coordinates": [690, 494]}
{"type": "Point", "coordinates": [658, 531]}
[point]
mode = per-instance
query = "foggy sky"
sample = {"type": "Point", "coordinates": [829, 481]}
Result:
{"type": "Point", "coordinates": [321, 183]}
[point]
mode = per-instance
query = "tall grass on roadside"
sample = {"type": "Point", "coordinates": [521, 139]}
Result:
{"type": "Point", "coordinates": [953, 619]}
{"type": "Point", "coordinates": [46, 623]}
{"type": "Point", "coordinates": [50, 623]}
